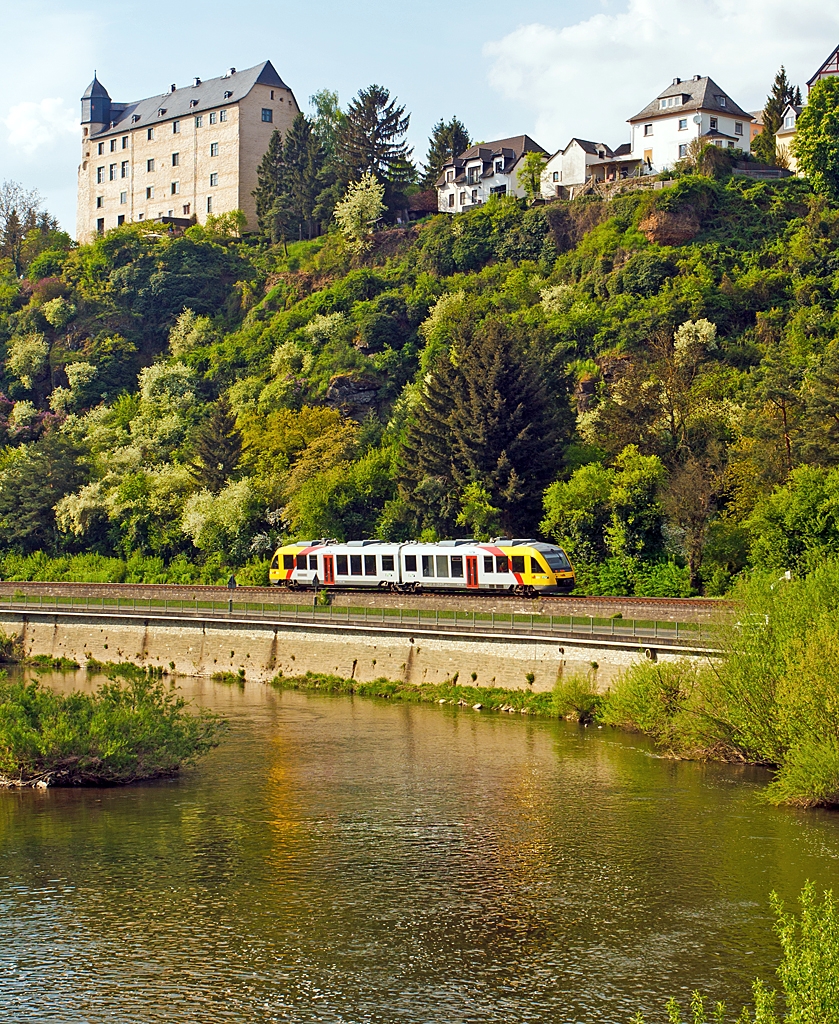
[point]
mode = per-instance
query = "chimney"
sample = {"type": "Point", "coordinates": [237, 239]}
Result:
{"type": "Point", "coordinates": [233, 71]}
{"type": "Point", "coordinates": [677, 81]}
{"type": "Point", "coordinates": [172, 87]}
{"type": "Point", "coordinates": [196, 81]}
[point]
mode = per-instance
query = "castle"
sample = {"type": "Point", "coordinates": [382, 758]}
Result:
{"type": "Point", "coordinates": [184, 154]}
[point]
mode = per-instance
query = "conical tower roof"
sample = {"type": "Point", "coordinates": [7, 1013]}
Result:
{"type": "Point", "coordinates": [95, 89]}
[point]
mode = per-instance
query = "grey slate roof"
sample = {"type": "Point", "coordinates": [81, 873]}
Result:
{"type": "Point", "coordinates": [510, 149]}
{"type": "Point", "coordinates": [701, 94]}
{"type": "Point", "coordinates": [95, 89]}
{"type": "Point", "coordinates": [208, 95]}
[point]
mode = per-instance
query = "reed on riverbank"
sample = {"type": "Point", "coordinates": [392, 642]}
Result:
{"type": "Point", "coordinates": [132, 729]}
{"type": "Point", "coordinates": [572, 697]}
{"type": "Point", "coordinates": [772, 699]}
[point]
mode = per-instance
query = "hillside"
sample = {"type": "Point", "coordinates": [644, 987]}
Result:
{"type": "Point", "coordinates": [652, 381]}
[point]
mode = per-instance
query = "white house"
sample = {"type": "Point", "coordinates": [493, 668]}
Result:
{"type": "Point", "coordinates": [570, 168]}
{"type": "Point", "coordinates": [687, 110]}
{"type": "Point", "coordinates": [484, 170]}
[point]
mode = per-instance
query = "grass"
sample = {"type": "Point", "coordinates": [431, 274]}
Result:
{"type": "Point", "coordinates": [132, 729]}
{"type": "Point", "coordinates": [46, 663]}
{"type": "Point", "coordinates": [230, 678]}
{"type": "Point", "coordinates": [571, 698]}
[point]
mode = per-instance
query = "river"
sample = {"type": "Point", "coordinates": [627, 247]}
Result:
{"type": "Point", "coordinates": [348, 860]}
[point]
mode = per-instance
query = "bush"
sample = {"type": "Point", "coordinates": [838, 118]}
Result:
{"type": "Point", "coordinates": [126, 732]}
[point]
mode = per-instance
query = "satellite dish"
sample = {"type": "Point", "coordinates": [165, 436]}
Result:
{"type": "Point", "coordinates": [697, 119]}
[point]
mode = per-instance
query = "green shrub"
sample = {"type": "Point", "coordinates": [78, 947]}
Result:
{"type": "Point", "coordinates": [132, 728]}
{"type": "Point", "coordinates": [575, 697]}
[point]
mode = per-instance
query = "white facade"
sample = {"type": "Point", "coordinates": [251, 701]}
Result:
{"type": "Point", "coordinates": [570, 168]}
{"type": "Point", "coordinates": [482, 171]}
{"type": "Point", "coordinates": [685, 111]}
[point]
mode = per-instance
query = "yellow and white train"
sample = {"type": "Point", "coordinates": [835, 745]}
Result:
{"type": "Point", "coordinates": [521, 566]}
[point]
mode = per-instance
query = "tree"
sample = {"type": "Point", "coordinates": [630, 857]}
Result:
{"type": "Point", "coordinates": [361, 207]}
{"type": "Point", "coordinates": [304, 174]}
{"type": "Point", "coordinates": [19, 210]}
{"type": "Point", "coordinates": [328, 120]}
{"type": "Point", "coordinates": [218, 448]}
{"type": "Point", "coordinates": [689, 504]}
{"type": "Point", "coordinates": [486, 418]}
{"type": "Point", "coordinates": [816, 142]}
{"type": "Point", "coordinates": [530, 175]}
{"type": "Point", "coordinates": [269, 180]}
{"type": "Point", "coordinates": [781, 95]}
{"type": "Point", "coordinates": [448, 139]}
{"type": "Point", "coordinates": [372, 140]}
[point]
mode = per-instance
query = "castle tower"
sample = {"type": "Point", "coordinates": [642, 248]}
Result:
{"type": "Point", "coordinates": [96, 107]}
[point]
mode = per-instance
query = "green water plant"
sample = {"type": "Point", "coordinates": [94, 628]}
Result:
{"type": "Point", "coordinates": [808, 972]}
{"type": "Point", "coordinates": [131, 729]}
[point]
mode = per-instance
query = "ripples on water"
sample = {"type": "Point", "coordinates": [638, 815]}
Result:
{"type": "Point", "coordinates": [353, 861]}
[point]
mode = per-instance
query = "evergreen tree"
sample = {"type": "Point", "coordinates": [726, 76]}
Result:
{"type": "Point", "coordinates": [269, 178]}
{"type": "Point", "coordinates": [372, 138]}
{"type": "Point", "coordinates": [218, 448]}
{"type": "Point", "coordinates": [447, 140]}
{"type": "Point", "coordinates": [487, 421]}
{"type": "Point", "coordinates": [782, 93]}
{"type": "Point", "coordinates": [304, 174]}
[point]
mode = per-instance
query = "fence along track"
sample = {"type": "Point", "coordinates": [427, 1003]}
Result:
{"type": "Point", "coordinates": [682, 636]}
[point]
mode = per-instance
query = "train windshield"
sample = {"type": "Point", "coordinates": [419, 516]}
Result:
{"type": "Point", "coordinates": [557, 560]}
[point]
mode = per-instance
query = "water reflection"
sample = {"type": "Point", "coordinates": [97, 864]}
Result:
{"type": "Point", "coordinates": [349, 861]}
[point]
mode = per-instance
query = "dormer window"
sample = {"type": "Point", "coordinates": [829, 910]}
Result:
{"type": "Point", "coordinates": [135, 118]}
{"type": "Point", "coordinates": [721, 100]}
{"type": "Point", "coordinates": [161, 111]}
{"type": "Point", "coordinates": [789, 121]}
{"type": "Point", "coordinates": [449, 175]}
{"type": "Point", "coordinates": [669, 101]}
{"type": "Point", "coordinates": [193, 103]}
{"type": "Point", "coordinates": [499, 166]}
{"type": "Point", "coordinates": [227, 94]}
{"type": "Point", "coordinates": [473, 175]}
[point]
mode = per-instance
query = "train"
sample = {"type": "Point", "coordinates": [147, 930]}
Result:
{"type": "Point", "coordinates": [522, 566]}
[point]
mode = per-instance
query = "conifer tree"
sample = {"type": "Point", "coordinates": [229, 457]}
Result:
{"type": "Point", "coordinates": [372, 138]}
{"type": "Point", "coordinates": [304, 175]}
{"type": "Point", "coordinates": [218, 448]}
{"type": "Point", "coordinates": [447, 140]}
{"type": "Point", "coordinates": [782, 93]}
{"type": "Point", "coordinates": [269, 178]}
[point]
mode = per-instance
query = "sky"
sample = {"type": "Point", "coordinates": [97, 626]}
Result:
{"type": "Point", "coordinates": [555, 70]}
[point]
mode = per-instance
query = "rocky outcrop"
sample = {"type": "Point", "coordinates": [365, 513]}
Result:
{"type": "Point", "coordinates": [665, 228]}
{"type": "Point", "coordinates": [350, 393]}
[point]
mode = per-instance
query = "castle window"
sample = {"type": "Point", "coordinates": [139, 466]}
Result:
{"type": "Point", "coordinates": [100, 202]}
{"type": "Point", "coordinates": [120, 220]}
{"type": "Point", "coordinates": [213, 181]}
{"type": "Point", "coordinates": [150, 134]}
{"type": "Point", "coordinates": [222, 114]}
{"type": "Point", "coordinates": [213, 117]}
{"type": "Point", "coordinates": [100, 149]}
{"type": "Point", "coordinates": [199, 121]}
{"type": "Point", "coordinates": [186, 209]}
{"type": "Point", "coordinates": [123, 169]}
{"type": "Point", "coordinates": [140, 216]}
{"type": "Point", "coordinates": [123, 198]}
{"type": "Point", "coordinates": [176, 188]}
{"type": "Point", "coordinates": [267, 114]}
{"type": "Point", "coordinates": [176, 127]}
{"type": "Point", "coordinates": [112, 172]}
{"type": "Point", "coordinates": [176, 159]}
{"type": "Point", "coordinates": [125, 142]}
{"type": "Point", "coordinates": [213, 149]}
{"type": "Point", "coordinates": [100, 175]}
{"type": "Point", "coordinates": [100, 226]}
{"type": "Point", "coordinates": [150, 164]}
{"type": "Point", "coordinates": [113, 145]}
{"type": "Point", "coordinates": [209, 204]}
{"type": "Point", "coordinates": [150, 192]}
{"type": "Point", "coordinates": [272, 94]}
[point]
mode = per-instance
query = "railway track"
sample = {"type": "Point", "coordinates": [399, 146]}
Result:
{"type": "Point", "coordinates": [661, 609]}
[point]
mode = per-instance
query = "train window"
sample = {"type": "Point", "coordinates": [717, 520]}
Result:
{"type": "Point", "coordinates": [355, 565]}
{"type": "Point", "coordinates": [489, 562]}
{"type": "Point", "coordinates": [387, 563]}
{"type": "Point", "coordinates": [288, 561]}
{"type": "Point", "coordinates": [535, 566]}
{"type": "Point", "coordinates": [501, 564]}
{"type": "Point", "coordinates": [428, 565]}
{"type": "Point", "coordinates": [457, 565]}
{"type": "Point", "coordinates": [369, 565]}
{"type": "Point", "coordinates": [518, 563]}
{"type": "Point", "coordinates": [410, 563]}
{"type": "Point", "coordinates": [275, 562]}
{"type": "Point", "coordinates": [313, 563]}
{"type": "Point", "coordinates": [341, 565]}
{"type": "Point", "coordinates": [557, 560]}
{"type": "Point", "coordinates": [442, 565]}
{"type": "Point", "coordinates": [301, 561]}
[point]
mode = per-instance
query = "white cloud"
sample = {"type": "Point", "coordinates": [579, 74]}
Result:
{"type": "Point", "coordinates": [586, 79]}
{"type": "Point", "coordinates": [33, 125]}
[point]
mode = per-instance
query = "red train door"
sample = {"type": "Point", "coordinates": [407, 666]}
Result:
{"type": "Point", "coordinates": [328, 570]}
{"type": "Point", "coordinates": [471, 570]}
